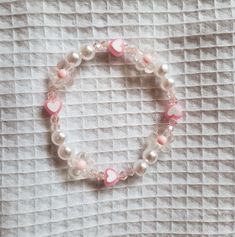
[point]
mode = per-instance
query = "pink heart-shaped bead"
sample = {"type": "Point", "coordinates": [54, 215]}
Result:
{"type": "Point", "coordinates": [53, 106]}
{"type": "Point", "coordinates": [111, 177]}
{"type": "Point", "coordinates": [116, 47]}
{"type": "Point", "coordinates": [174, 111]}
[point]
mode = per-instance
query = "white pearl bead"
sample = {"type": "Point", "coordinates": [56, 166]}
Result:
{"type": "Point", "coordinates": [58, 137]}
{"type": "Point", "coordinates": [74, 58]}
{"type": "Point", "coordinates": [161, 70]}
{"type": "Point", "coordinates": [140, 167]}
{"type": "Point", "coordinates": [88, 52]}
{"type": "Point", "coordinates": [150, 156]}
{"type": "Point", "coordinates": [64, 152]}
{"type": "Point", "coordinates": [164, 68]}
{"type": "Point", "coordinates": [167, 84]}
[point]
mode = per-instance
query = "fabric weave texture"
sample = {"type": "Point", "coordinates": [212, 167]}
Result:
{"type": "Point", "coordinates": [109, 111]}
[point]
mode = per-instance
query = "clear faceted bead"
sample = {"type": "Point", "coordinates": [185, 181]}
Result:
{"type": "Point", "coordinates": [149, 68]}
{"type": "Point", "coordinates": [76, 173]}
{"type": "Point", "coordinates": [123, 175]}
{"type": "Point", "coordinates": [138, 56]}
{"type": "Point", "coordinates": [140, 65]}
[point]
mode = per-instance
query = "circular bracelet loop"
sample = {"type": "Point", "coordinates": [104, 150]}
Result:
{"type": "Point", "coordinates": [80, 165]}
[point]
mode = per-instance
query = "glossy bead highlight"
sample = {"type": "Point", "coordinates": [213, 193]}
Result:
{"type": "Point", "coordinates": [150, 156]}
{"type": "Point", "coordinates": [140, 167]}
{"type": "Point", "coordinates": [58, 137]}
{"type": "Point", "coordinates": [64, 152]}
{"type": "Point", "coordinates": [167, 84]}
{"type": "Point", "coordinates": [87, 52]}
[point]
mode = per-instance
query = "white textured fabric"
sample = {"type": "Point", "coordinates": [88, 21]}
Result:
{"type": "Point", "coordinates": [110, 108]}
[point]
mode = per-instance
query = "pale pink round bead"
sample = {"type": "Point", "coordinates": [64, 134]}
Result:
{"type": "Point", "coordinates": [62, 73]}
{"type": "Point", "coordinates": [162, 140]}
{"type": "Point", "coordinates": [81, 164]}
{"type": "Point", "coordinates": [147, 58]}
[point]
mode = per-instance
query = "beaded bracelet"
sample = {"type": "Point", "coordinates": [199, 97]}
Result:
{"type": "Point", "coordinates": [80, 165]}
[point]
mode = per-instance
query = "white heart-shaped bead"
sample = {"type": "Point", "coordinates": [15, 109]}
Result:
{"type": "Point", "coordinates": [53, 106]}
{"type": "Point", "coordinates": [116, 47]}
{"type": "Point", "coordinates": [174, 111]}
{"type": "Point", "coordinates": [111, 177]}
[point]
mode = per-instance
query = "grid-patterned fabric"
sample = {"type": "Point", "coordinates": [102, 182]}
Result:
{"type": "Point", "coordinates": [108, 112]}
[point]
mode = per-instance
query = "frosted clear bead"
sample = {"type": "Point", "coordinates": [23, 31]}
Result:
{"type": "Point", "coordinates": [58, 137]}
{"type": "Point", "coordinates": [62, 64]}
{"type": "Point", "coordinates": [140, 167]}
{"type": "Point", "coordinates": [150, 139]}
{"type": "Point", "coordinates": [123, 175]}
{"type": "Point", "coordinates": [76, 174]}
{"type": "Point", "coordinates": [167, 84]}
{"type": "Point", "coordinates": [150, 156]}
{"type": "Point", "coordinates": [140, 66]}
{"type": "Point", "coordinates": [138, 56]}
{"type": "Point", "coordinates": [54, 127]}
{"type": "Point", "coordinates": [87, 52]}
{"type": "Point", "coordinates": [171, 138]}
{"type": "Point", "coordinates": [130, 53]}
{"type": "Point", "coordinates": [55, 80]}
{"type": "Point", "coordinates": [64, 152]}
{"type": "Point", "coordinates": [149, 68]}
{"type": "Point", "coordinates": [130, 171]}
{"type": "Point", "coordinates": [166, 148]}
{"type": "Point", "coordinates": [166, 132]}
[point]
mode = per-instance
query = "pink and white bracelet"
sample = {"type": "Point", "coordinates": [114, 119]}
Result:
{"type": "Point", "coordinates": [80, 165]}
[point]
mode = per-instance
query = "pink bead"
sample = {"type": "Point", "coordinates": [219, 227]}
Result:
{"type": "Point", "coordinates": [147, 58]}
{"type": "Point", "coordinates": [162, 140]}
{"type": "Point", "coordinates": [174, 111]}
{"type": "Point", "coordinates": [116, 47]}
{"type": "Point", "coordinates": [81, 164]}
{"type": "Point", "coordinates": [62, 73]}
{"type": "Point", "coordinates": [53, 106]}
{"type": "Point", "coordinates": [111, 177]}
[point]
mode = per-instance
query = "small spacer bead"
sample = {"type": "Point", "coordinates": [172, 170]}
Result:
{"type": "Point", "coordinates": [123, 175]}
